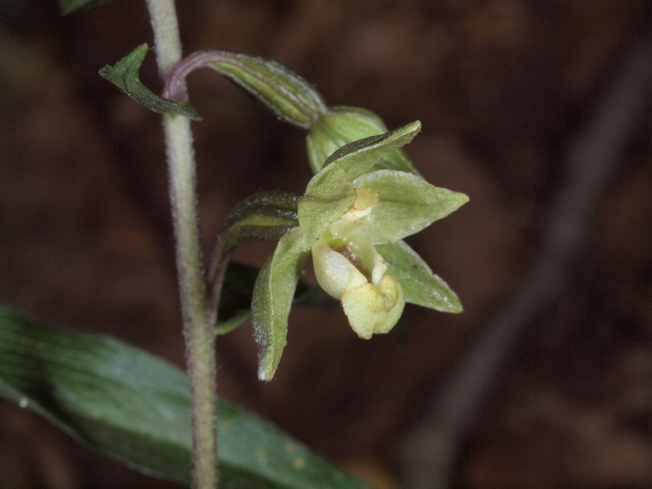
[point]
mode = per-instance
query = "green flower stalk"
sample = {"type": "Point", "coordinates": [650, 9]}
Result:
{"type": "Point", "coordinates": [353, 222]}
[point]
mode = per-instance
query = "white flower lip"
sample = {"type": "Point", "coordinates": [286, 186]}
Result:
{"type": "Point", "coordinates": [350, 269]}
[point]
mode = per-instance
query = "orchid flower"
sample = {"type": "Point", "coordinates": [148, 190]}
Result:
{"type": "Point", "coordinates": [353, 222]}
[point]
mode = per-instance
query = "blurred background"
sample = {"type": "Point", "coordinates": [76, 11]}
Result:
{"type": "Point", "coordinates": [509, 93]}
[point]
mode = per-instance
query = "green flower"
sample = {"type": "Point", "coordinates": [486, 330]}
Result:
{"type": "Point", "coordinates": [353, 223]}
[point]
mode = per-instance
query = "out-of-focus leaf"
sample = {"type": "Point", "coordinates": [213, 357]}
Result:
{"type": "Point", "coordinates": [265, 215]}
{"type": "Point", "coordinates": [235, 302]}
{"type": "Point", "coordinates": [420, 285]}
{"type": "Point", "coordinates": [124, 75]}
{"type": "Point", "coordinates": [407, 205]}
{"type": "Point", "coordinates": [272, 300]}
{"type": "Point", "coordinates": [69, 6]}
{"type": "Point", "coordinates": [134, 407]}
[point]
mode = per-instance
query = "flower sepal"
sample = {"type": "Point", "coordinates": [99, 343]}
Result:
{"type": "Point", "coordinates": [421, 286]}
{"type": "Point", "coordinates": [407, 204]}
{"type": "Point", "coordinates": [272, 300]}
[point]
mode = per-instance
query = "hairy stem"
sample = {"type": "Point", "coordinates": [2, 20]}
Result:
{"type": "Point", "coordinates": [166, 35]}
{"type": "Point", "coordinates": [198, 331]}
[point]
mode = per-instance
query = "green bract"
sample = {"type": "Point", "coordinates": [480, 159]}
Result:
{"type": "Point", "coordinates": [124, 75]}
{"type": "Point", "coordinates": [352, 222]}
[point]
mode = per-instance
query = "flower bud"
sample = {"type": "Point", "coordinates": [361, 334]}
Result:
{"type": "Point", "coordinates": [343, 125]}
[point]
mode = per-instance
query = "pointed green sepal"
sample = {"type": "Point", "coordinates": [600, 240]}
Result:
{"type": "Point", "coordinates": [124, 75]}
{"type": "Point", "coordinates": [407, 205]}
{"type": "Point", "coordinates": [265, 215]}
{"type": "Point", "coordinates": [272, 299]}
{"type": "Point", "coordinates": [343, 125]}
{"type": "Point", "coordinates": [279, 89]}
{"type": "Point", "coordinates": [420, 285]}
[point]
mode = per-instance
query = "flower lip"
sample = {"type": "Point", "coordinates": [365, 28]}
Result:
{"type": "Point", "coordinates": [347, 252]}
{"type": "Point", "coordinates": [373, 309]}
{"type": "Point", "coordinates": [351, 270]}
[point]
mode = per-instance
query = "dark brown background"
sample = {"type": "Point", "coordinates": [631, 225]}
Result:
{"type": "Point", "coordinates": [502, 88]}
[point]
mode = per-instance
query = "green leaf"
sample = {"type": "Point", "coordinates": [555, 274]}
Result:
{"type": "Point", "coordinates": [323, 205]}
{"type": "Point", "coordinates": [358, 157]}
{"type": "Point", "coordinates": [266, 215]}
{"type": "Point", "coordinates": [272, 300]}
{"type": "Point", "coordinates": [420, 285]}
{"type": "Point", "coordinates": [134, 407]}
{"type": "Point", "coordinates": [407, 205]}
{"type": "Point", "coordinates": [69, 6]}
{"type": "Point", "coordinates": [124, 75]}
{"type": "Point", "coordinates": [277, 88]}
{"type": "Point", "coordinates": [343, 125]}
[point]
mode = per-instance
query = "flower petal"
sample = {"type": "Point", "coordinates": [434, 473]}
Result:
{"type": "Point", "coordinates": [333, 270]}
{"type": "Point", "coordinates": [324, 205]}
{"type": "Point", "coordinates": [407, 205]}
{"type": "Point", "coordinates": [372, 300]}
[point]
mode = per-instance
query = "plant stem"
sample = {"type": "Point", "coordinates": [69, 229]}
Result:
{"type": "Point", "coordinates": [200, 341]}
{"type": "Point", "coordinates": [167, 42]}
{"type": "Point", "coordinates": [199, 337]}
